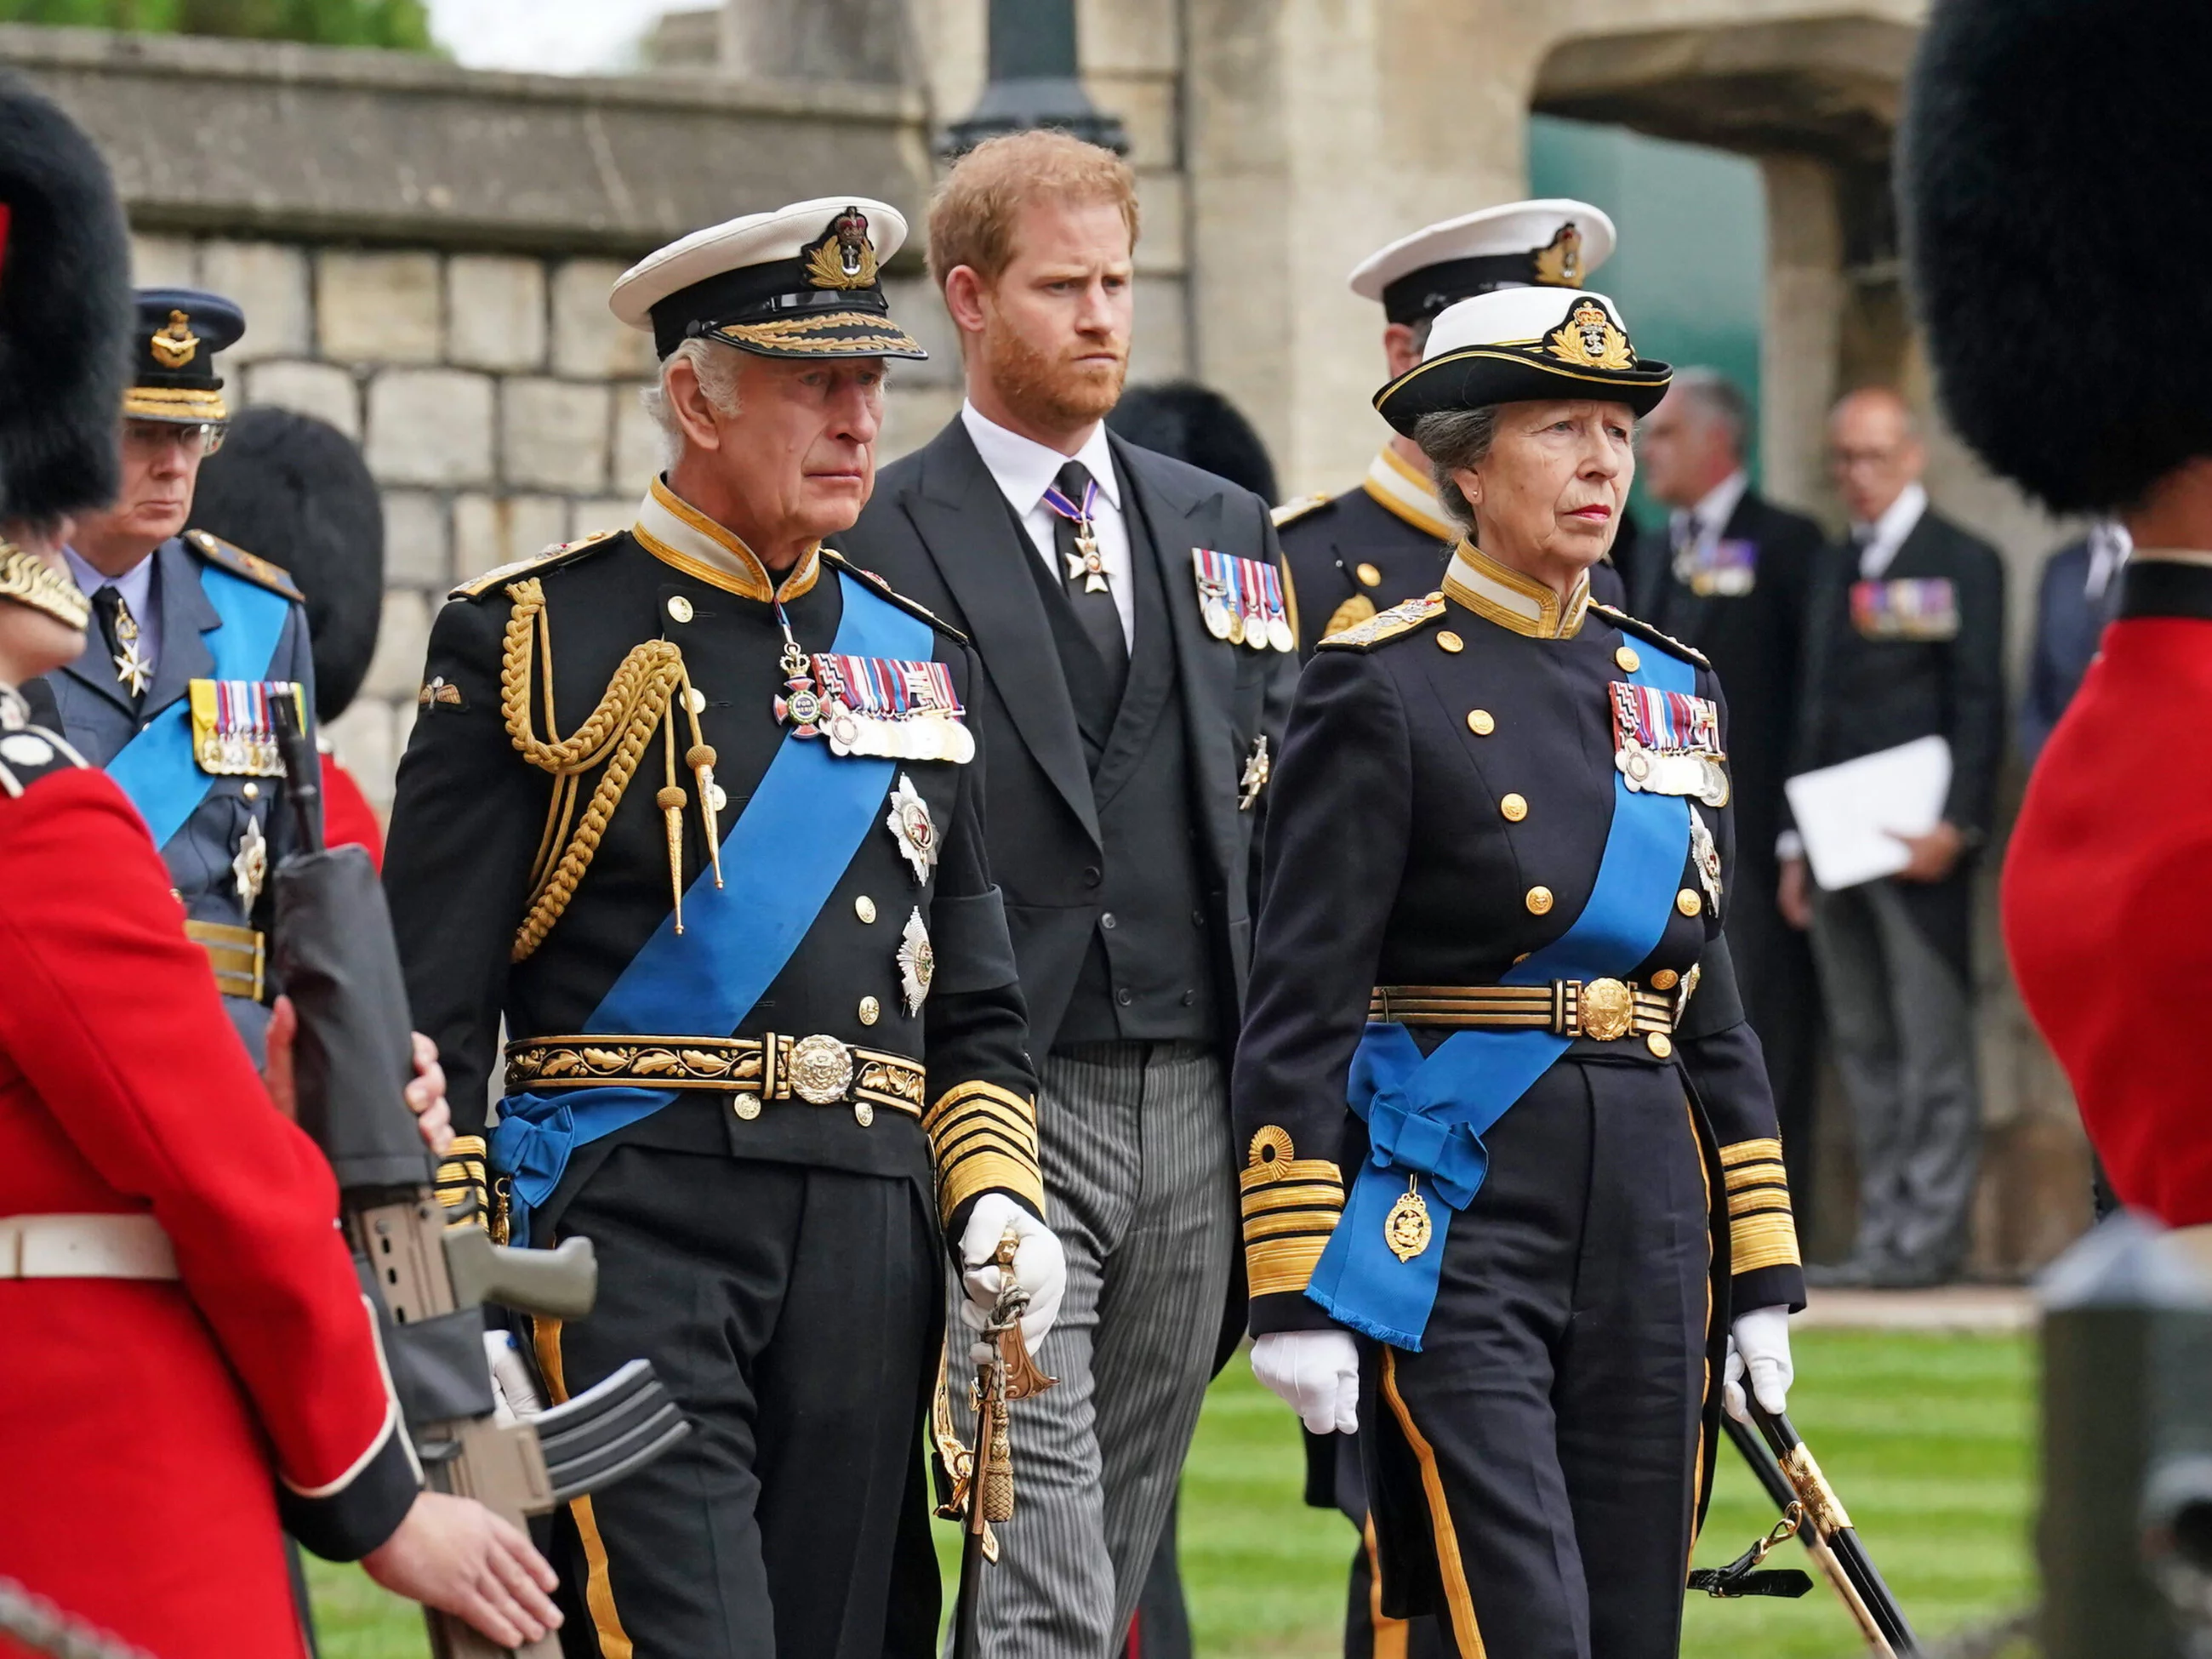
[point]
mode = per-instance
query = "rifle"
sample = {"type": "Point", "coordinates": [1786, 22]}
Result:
{"type": "Point", "coordinates": [983, 1480]}
{"type": "Point", "coordinates": [432, 1275]}
{"type": "Point", "coordinates": [1793, 1479]}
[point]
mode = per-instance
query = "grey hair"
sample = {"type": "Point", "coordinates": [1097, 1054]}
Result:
{"type": "Point", "coordinates": [1454, 438]}
{"type": "Point", "coordinates": [717, 366]}
{"type": "Point", "coordinates": [1722, 399]}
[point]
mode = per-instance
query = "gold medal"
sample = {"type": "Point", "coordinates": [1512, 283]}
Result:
{"type": "Point", "coordinates": [1407, 1229]}
{"type": "Point", "coordinates": [1236, 627]}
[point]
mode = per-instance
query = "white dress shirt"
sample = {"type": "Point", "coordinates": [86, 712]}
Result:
{"type": "Point", "coordinates": [137, 586]}
{"type": "Point", "coordinates": [1024, 469]}
{"type": "Point", "coordinates": [1889, 531]}
{"type": "Point", "coordinates": [1710, 515]}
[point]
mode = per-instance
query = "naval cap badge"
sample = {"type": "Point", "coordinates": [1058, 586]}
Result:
{"type": "Point", "coordinates": [912, 827]}
{"type": "Point", "coordinates": [845, 257]}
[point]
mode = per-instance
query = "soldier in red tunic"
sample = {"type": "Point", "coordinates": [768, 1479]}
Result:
{"type": "Point", "coordinates": [2056, 241]}
{"type": "Point", "coordinates": [190, 1368]}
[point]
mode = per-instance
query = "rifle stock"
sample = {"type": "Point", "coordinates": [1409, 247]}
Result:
{"type": "Point", "coordinates": [432, 1275]}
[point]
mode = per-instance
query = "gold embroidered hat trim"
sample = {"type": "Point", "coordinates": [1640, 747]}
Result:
{"type": "Point", "coordinates": [679, 535]}
{"type": "Point", "coordinates": [28, 579]}
{"type": "Point", "coordinates": [1405, 492]}
{"type": "Point", "coordinates": [1519, 604]}
{"type": "Point", "coordinates": [835, 334]}
{"type": "Point", "coordinates": [184, 405]}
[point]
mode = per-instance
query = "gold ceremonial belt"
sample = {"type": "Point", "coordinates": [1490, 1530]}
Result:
{"type": "Point", "coordinates": [1605, 1010]}
{"type": "Point", "coordinates": [238, 955]}
{"type": "Point", "coordinates": [822, 1071]}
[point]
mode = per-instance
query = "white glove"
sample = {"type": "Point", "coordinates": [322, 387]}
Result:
{"type": "Point", "coordinates": [1315, 1373]}
{"type": "Point", "coordinates": [1759, 1342]}
{"type": "Point", "coordinates": [514, 1395]}
{"type": "Point", "coordinates": [1040, 1267]}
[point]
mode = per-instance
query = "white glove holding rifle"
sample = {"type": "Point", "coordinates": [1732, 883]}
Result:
{"type": "Point", "coordinates": [1040, 1267]}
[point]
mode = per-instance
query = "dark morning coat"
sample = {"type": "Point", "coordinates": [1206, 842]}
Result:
{"type": "Point", "coordinates": [939, 531]}
{"type": "Point", "coordinates": [1865, 694]}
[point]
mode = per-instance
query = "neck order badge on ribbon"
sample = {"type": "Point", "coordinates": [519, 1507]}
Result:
{"type": "Point", "coordinates": [782, 859]}
{"type": "Point", "coordinates": [1426, 1117]}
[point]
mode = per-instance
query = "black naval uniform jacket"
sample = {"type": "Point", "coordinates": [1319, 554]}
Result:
{"type": "Point", "coordinates": [1864, 694]}
{"type": "Point", "coordinates": [471, 811]}
{"type": "Point", "coordinates": [1400, 855]}
{"type": "Point", "coordinates": [939, 529]}
{"type": "Point", "coordinates": [87, 702]}
{"type": "Point", "coordinates": [1351, 556]}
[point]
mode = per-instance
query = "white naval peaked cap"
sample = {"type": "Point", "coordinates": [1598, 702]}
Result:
{"type": "Point", "coordinates": [801, 280]}
{"type": "Point", "coordinates": [1553, 241]}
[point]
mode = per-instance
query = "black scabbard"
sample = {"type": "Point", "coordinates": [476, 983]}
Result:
{"type": "Point", "coordinates": [1885, 1624]}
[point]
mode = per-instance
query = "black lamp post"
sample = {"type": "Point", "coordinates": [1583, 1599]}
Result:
{"type": "Point", "coordinates": [1033, 80]}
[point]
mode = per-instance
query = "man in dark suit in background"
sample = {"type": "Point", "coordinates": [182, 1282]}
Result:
{"type": "Point", "coordinates": [1731, 576]}
{"type": "Point", "coordinates": [1906, 639]}
{"type": "Point", "coordinates": [1139, 655]}
{"type": "Point", "coordinates": [2072, 606]}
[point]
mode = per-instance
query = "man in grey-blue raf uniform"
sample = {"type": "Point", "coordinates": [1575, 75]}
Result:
{"type": "Point", "coordinates": [196, 642]}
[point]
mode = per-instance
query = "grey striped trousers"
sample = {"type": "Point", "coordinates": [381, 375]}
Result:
{"type": "Point", "coordinates": [1139, 1186]}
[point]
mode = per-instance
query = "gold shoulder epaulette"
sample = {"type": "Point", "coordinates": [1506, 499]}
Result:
{"type": "Point", "coordinates": [559, 554]}
{"type": "Point", "coordinates": [1297, 506]}
{"type": "Point", "coordinates": [1644, 630]}
{"type": "Point", "coordinates": [239, 563]}
{"type": "Point", "coordinates": [1397, 621]}
{"type": "Point", "coordinates": [831, 556]}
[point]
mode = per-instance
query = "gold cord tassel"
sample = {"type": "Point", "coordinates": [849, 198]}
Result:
{"type": "Point", "coordinates": [671, 801]}
{"type": "Point", "coordinates": [700, 757]}
{"type": "Point", "coordinates": [998, 1463]}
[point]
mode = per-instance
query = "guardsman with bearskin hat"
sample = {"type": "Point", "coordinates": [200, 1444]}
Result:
{"type": "Point", "coordinates": [2039, 143]}
{"type": "Point", "coordinates": [192, 639]}
{"type": "Point", "coordinates": [692, 806]}
{"type": "Point", "coordinates": [1387, 539]}
{"type": "Point", "coordinates": [1555, 1210]}
{"type": "Point", "coordinates": [190, 1369]}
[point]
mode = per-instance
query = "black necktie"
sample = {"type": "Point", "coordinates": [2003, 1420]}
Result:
{"type": "Point", "coordinates": [119, 629]}
{"type": "Point", "coordinates": [1092, 595]}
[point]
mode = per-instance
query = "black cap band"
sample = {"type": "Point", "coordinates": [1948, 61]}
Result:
{"type": "Point", "coordinates": [1422, 293]}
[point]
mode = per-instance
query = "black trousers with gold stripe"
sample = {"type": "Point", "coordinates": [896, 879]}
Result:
{"type": "Point", "coordinates": [793, 1312]}
{"type": "Point", "coordinates": [1534, 1470]}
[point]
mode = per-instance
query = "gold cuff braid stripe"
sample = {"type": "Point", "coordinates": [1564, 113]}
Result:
{"type": "Point", "coordinates": [461, 1183]}
{"type": "Point", "coordinates": [1768, 1150]}
{"type": "Point", "coordinates": [983, 1139]}
{"type": "Point", "coordinates": [1281, 1266]}
{"type": "Point", "coordinates": [1767, 1239]}
{"type": "Point", "coordinates": [1291, 1206]}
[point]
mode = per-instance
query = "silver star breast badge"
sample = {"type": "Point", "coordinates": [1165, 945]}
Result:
{"type": "Point", "coordinates": [911, 826]}
{"type": "Point", "coordinates": [917, 963]}
{"type": "Point", "coordinates": [251, 865]}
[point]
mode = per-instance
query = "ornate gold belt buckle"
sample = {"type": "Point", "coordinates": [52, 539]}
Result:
{"type": "Point", "coordinates": [820, 1070]}
{"type": "Point", "coordinates": [1605, 1009]}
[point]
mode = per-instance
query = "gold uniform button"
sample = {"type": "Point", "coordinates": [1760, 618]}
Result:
{"type": "Point", "coordinates": [251, 790]}
{"type": "Point", "coordinates": [871, 1011]}
{"type": "Point", "coordinates": [679, 607]}
{"type": "Point", "coordinates": [865, 908]}
{"type": "Point", "coordinates": [1629, 661]}
{"type": "Point", "coordinates": [1688, 902]}
{"type": "Point", "coordinates": [1538, 900]}
{"type": "Point", "coordinates": [1480, 722]}
{"type": "Point", "coordinates": [1451, 641]}
{"type": "Point", "coordinates": [1514, 807]}
{"type": "Point", "coordinates": [1658, 1044]}
{"type": "Point", "coordinates": [1368, 576]}
{"type": "Point", "coordinates": [1665, 980]}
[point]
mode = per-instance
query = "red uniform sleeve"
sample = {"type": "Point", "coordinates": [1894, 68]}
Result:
{"type": "Point", "coordinates": [348, 818]}
{"type": "Point", "coordinates": [113, 1017]}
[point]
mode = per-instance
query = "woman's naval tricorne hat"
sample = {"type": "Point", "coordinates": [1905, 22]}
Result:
{"type": "Point", "coordinates": [1521, 343]}
{"type": "Point", "coordinates": [802, 282]}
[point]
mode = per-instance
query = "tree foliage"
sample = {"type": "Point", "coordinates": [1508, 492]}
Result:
{"type": "Point", "coordinates": [404, 24]}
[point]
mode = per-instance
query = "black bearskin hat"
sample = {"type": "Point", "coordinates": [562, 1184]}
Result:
{"type": "Point", "coordinates": [1197, 425]}
{"type": "Point", "coordinates": [2056, 247]}
{"type": "Point", "coordinates": [295, 490]}
{"type": "Point", "coordinates": [65, 313]}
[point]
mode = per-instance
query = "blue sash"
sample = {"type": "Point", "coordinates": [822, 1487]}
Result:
{"type": "Point", "coordinates": [157, 768]}
{"type": "Point", "coordinates": [1426, 1118]}
{"type": "Point", "coordinates": [780, 861]}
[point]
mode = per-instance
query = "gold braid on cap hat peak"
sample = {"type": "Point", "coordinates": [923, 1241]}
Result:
{"type": "Point", "coordinates": [640, 698]}
{"type": "Point", "coordinates": [29, 580]}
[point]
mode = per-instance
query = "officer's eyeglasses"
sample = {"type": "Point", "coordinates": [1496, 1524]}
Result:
{"type": "Point", "coordinates": [197, 440]}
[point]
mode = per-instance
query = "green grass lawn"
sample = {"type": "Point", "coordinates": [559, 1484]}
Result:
{"type": "Point", "coordinates": [1926, 1439]}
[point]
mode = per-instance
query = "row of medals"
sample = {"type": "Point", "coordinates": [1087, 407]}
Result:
{"type": "Point", "coordinates": [1260, 633]}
